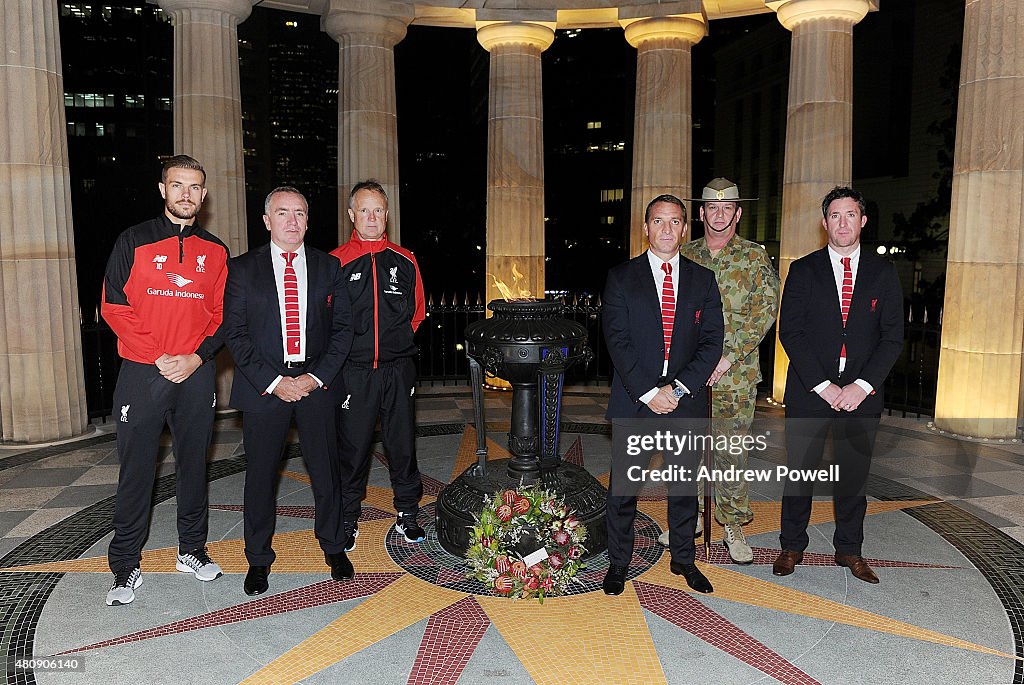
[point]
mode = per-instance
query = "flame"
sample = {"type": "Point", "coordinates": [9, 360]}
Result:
{"type": "Point", "coordinates": [524, 294]}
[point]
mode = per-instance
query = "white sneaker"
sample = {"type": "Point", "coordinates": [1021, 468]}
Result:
{"type": "Point", "coordinates": [198, 563]}
{"type": "Point", "coordinates": [737, 545]}
{"type": "Point", "coordinates": [663, 538]}
{"type": "Point", "coordinates": [122, 590]}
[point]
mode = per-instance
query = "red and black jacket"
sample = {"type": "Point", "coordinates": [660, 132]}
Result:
{"type": "Point", "coordinates": [163, 291]}
{"type": "Point", "coordinates": [384, 285]}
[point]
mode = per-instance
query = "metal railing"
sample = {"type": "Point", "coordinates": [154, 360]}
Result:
{"type": "Point", "coordinates": [909, 389]}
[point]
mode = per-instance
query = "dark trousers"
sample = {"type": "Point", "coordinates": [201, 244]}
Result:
{"type": "Point", "coordinates": [143, 402]}
{"type": "Point", "coordinates": [621, 502]}
{"type": "Point", "coordinates": [386, 392]}
{"type": "Point", "coordinates": [264, 434]}
{"type": "Point", "coordinates": [853, 439]}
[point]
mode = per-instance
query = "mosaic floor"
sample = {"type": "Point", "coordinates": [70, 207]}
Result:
{"type": "Point", "coordinates": [944, 525]}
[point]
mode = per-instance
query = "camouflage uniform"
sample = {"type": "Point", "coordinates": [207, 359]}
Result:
{"type": "Point", "coordinates": [750, 301]}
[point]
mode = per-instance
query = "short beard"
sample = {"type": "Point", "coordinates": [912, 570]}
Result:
{"type": "Point", "coordinates": [186, 214]}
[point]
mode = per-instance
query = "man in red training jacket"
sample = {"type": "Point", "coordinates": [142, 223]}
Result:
{"type": "Point", "coordinates": [379, 377]}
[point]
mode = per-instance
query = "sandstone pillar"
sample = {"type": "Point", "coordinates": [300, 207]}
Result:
{"type": "Point", "coordinates": [515, 155]}
{"type": "Point", "coordinates": [980, 363]}
{"type": "Point", "coordinates": [208, 107]}
{"type": "Point", "coordinates": [819, 126]}
{"type": "Point", "coordinates": [367, 115]}
{"type": "Point", "coordinates": [663, 123]}
{"type": "Point", "coordinates": [42, 391]}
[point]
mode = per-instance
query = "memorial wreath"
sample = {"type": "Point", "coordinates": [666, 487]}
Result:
{"type": "Point", "coordinates": [526, 543]}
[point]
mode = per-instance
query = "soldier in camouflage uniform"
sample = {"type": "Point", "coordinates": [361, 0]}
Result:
{"type": "Point", "coordinates": [750, 301]}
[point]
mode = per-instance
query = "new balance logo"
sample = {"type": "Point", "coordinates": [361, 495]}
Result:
{"type": "Point", "coordinates": [356, 277]}
{"type": "Point", "coordinates": [344, 405]}
{"type": "Point", "coordinates": [201, 264]}
{"type": "Point", "coordinates": [394, 274]}
{"type": "Point", "coordinates": [124, 412]}
{"type": "Point", "coordinates": [177, 280]}
{"type": "Point", "coordinates": [159, 261]}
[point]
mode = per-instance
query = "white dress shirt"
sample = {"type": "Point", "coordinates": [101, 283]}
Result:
{"type": "Point", "coordinates": [659, 280]}
{"type": "Point", "coordinates": [836, 260]}
{"type": "Point", "coordinates": [299, 265]}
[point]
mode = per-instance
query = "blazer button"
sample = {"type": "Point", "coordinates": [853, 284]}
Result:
{"type": "Point", "coordinates": [844, 334]}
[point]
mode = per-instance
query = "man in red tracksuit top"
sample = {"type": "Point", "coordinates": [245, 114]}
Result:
{"type": "Point", "coordinates": [163, 295]}
{"type": "Point", "coordinates": [379, 377]}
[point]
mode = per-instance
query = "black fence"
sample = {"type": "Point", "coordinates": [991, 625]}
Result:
{"type": "Point", "coordinates": [909, 389]}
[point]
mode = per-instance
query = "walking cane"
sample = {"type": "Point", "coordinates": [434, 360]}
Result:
{"type": "Point", "coordinates": [707, 485]}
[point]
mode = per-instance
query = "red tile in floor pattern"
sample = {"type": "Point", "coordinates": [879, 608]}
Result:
{"type": "Point", "coordinates": [419, 559]}
{"type": "Point", "coordinates": [318, 594]}
{"type": "Point", "coordinates": [682, 610]}
{"type": "Point", "coordinates": [446, 575]}
{"type": "Point", "coordinates": [450, 639]}
{"type": "Point", "coordinates": [574, 455]}
{"type": "Point", "coordinates": [431, 486]}
{"type": "Point", "coordinates": [374, 514]}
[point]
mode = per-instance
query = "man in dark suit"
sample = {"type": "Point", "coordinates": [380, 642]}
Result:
{"type": "Point", "coordinates": [842, 327]}
{"type": "Point", "coordinates": [663, 326]}
{"type": "Point", "coordinates": [287, 320]}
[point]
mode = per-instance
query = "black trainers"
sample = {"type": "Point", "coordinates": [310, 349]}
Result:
{"type": "Point", "coordinates": [351, 533]}
{"type": "Point", "coordinates": [407, 526]}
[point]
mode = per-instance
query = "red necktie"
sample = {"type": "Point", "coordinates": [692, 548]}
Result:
{"type": "Point", "coordinates": [847, 295]}
{"type": "Point", "coordinates": [668, 306]}
{"type": "Point", "coordinates": [291, 306]}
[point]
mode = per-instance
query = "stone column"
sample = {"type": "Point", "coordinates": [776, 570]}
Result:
{"type": "Point", "coordinates": [819, 126]}
{"type": "Point", "coordinates": [367, 115]}
{"type": "Point", "coordinates": [515, 155]}
{"type": "Point", "coordinates": [208, 107]}
{"type": "Point", "coordinates": [208, 122]}
{"type": "Point", "coordinates": [42, 391]}
{"type": "Point", "coordinates": [662, 125]}
{"type": "Point", "coordinates": [981, 362]}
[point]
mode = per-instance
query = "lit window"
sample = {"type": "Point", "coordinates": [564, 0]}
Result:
{"type": "Point", "coordinates": [611, 195]}
{"type": "Point", "coordinates": [593, 124]}
{"type": "Point", "coordinates": [292, 24]}
{"type": "Point", "coordinates": [606, 220]}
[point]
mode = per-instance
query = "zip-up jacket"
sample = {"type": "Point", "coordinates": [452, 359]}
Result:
{"type": "Point", "coordinates": [163, 291]}
{"type": "Point", "coordinates": [384, 285]}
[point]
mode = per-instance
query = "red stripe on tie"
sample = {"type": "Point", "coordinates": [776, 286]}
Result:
{"type": "Point", "coordinates": [293, 337]}
{"type": "Point", "coordinates": [668, 307]}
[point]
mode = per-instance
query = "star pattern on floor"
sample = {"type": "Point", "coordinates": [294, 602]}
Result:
{"type": "Point", "coordinates": [610, 638]}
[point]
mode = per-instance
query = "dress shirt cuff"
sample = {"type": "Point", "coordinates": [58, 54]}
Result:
{"type": "Point", "coordinates": [864, 385]}
{"type": "Point", "coordinates": [820, 387]}
{"type": "Point", "coordinates": [270, 388]}
{"type": "Point", "coordinates": [318, 381]}
{"type": "Point", "coordinates": [649, 395]}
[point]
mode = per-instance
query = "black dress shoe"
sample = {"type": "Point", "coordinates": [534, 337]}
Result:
{"type": "Point", "coordinates": [694, 578]}
{"type": "Point", "coordinates": [341, 567]}
{"type": "Point", "coordinates": [256, 580]}
{"type": "Point", "coordinates": [615, 580]}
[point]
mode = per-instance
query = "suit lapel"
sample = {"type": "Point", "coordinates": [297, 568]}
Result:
{"type": "Point", "coordinates": [265, 278]}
